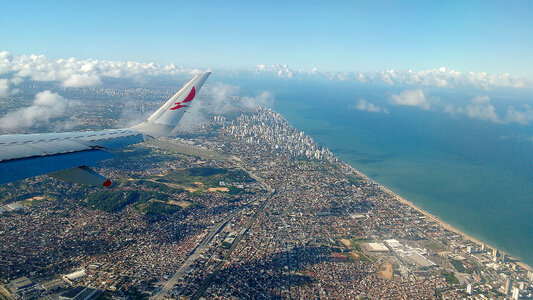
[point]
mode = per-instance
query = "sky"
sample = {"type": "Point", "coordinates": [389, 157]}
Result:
{"type": "Point", "coordinates": [363, 36]}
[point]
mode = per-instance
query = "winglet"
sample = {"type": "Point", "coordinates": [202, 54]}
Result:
{"type": "Point", "coordinates": [164, 120]}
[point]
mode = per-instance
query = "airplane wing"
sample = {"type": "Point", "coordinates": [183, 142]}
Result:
{"type": "Point", "coordinates": [66, 155]}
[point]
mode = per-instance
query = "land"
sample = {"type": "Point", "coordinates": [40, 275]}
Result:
{"type": "Point", "coordinates": [249, 208]}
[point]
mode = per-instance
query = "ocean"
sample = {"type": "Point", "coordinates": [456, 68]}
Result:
{"type": "Point", "coordinates": [476, 175]}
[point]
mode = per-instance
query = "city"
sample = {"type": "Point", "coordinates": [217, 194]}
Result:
{"type": "Point", "coordinates": [248, 207]}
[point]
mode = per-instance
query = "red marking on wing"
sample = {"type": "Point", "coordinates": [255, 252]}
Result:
{"type": "Point", "coordinates": [178, 106]}
{"type": "Point", "coordinates": [107, 183]}
{"type": "Point", "coordinates": [190, 96]}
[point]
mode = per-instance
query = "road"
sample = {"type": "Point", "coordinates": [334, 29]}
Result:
{"type": "Point", "coordinates": [213, 275]}
{"type": "Point", "coordinates": [203, 244]}
{"type": "Point", "coordinates": [195, 254]}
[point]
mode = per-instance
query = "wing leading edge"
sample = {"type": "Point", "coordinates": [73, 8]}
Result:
{"type": "Point", "coordinates": [67, 154]}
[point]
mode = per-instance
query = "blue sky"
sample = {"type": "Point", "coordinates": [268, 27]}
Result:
{"type": "Point", "coordinates": [366, 36]}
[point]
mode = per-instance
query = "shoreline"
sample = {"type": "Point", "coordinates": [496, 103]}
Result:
{"type": "Point", "coordinates": [431, 216]}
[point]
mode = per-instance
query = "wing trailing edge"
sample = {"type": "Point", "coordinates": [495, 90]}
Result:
{"type": "Point", "coordinates": [82, 175]}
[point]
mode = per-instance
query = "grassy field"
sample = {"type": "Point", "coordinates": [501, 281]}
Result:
{"type": "Point", "coordinates": [201, 180]}
{"type": "Point", "coordinates": [434, 246]}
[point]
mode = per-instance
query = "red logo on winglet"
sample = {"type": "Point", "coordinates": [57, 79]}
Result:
{"type": "Point", "coordinates": [178, 106]}
{"type": "Point", "coordinates": [189, 98]}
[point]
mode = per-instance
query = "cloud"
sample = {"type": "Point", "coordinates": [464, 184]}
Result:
{"type": "Point", "coordinates": [219, 98]}
{"type": "Point", "coordinates": [45, 106]}
{"type": "Point", "coordinates": [90, 72]}
{"type": "Point", "coordinates": [415, 98]}
{"type": "Point", "coordinates": [480, 108]}
{"type": "Point", "coordinates": [521, 116]}
{"type": "Point", "coordinates": [81, 80]}
{"type": "Point", "coordinates": [80, 73]}
{"type": "Point", "coordinates": [277, 69]}
{"type": "Point", "coordinates": [370, 107]}
{"type": "Point", "coordinates": [5, 86]}
{"type": "Point", "coordinates": [440, 77]}
{"type": "Point", "coordinates": [264, 98]}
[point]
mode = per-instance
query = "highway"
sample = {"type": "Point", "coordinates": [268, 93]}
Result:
{"type": "Point", "coordinates": [209, 237]}
{"type": "Point", "coordinates": [195, 254]}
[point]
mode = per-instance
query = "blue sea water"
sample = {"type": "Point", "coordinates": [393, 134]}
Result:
{"type": "Point", "coordinates": [474, 174]}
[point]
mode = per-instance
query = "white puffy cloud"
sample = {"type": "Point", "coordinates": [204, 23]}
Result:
{"type": "Point", "coordinates": [90, 72]}
{"type": "Point", "coordinates": [45, 106]}
{"type": "Point", "coordinates": [523, 115]}
{"type": "Point", "coordinates": [415, 98]}
{"type": "Point", "coordinates": [265, 98]}
{"type": "Point", "coordinates": [370, 107]}
{"type": "Point", "coordinates": [80, 73]}
{"type": "Point", "coordinates": [480, 108]}
{"type": "Point", "coordinates": [81, 80]}
{"type": "Point", "coordinates": [219, 98]}
{"type": "Point", "coordinates": [5, 86]}
{"type": "Point", "coordinates": [441, 77]}
{"type": "Point", "coordinates": [278, 69]}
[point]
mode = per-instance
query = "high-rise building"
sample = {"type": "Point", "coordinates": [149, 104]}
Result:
{"type": "Point", "coordinates": [469, 289]}
{"type": "Point", "coordinates": [495, 254]}
{"type": "Point", "coordinates": [516, 294]}
{"type": "Point", "coordinates": [508, 286]}
{"type": "Point", "coordinates": [503, 257]}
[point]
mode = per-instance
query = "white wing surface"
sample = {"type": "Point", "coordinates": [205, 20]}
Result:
{"type": "Point", "coordinates": [67, 154]}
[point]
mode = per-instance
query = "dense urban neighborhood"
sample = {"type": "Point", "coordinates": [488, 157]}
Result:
{"type": "Point", "coordinates": [246, 207]}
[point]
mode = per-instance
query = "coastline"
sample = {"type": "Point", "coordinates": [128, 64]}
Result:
{"type": "Point", "coordinates": [429, 215]}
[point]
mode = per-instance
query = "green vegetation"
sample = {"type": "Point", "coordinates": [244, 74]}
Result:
{"type": "Point", "coordinates": [209, 177]}
{"type": "Point", "coordinates": [434, 246]}
{"type": "Point", "coordinates": [357, 254]}
{"type": "Point", "coordinates": [113, 201]}
{"type": "Point", "coordinates": [235, 191]}
{"type": "Point", "coordinates": [157, 207]}
{"type": "Point", "coordinates": [150, 184]}
{"type": "Point", "coordinates": [458, 265]}
{"type": "Point", "coordinates": [160, 187]}
{"type": "Point", "coordinates": [450, 277]}
{"type": "Point", "coordinates": [204, 172]}
{"type": "Point", "coordinates": [354, 180]}
{"type": "Point", "coordinates": [140, 154]}
{"type": "Point", "coordinates": [36, 200]}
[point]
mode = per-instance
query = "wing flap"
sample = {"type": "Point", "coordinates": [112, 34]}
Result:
{"type": "Point", "coordinates": [17, 169]}
{"type": "Point", "coordinates": [82, 175]}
